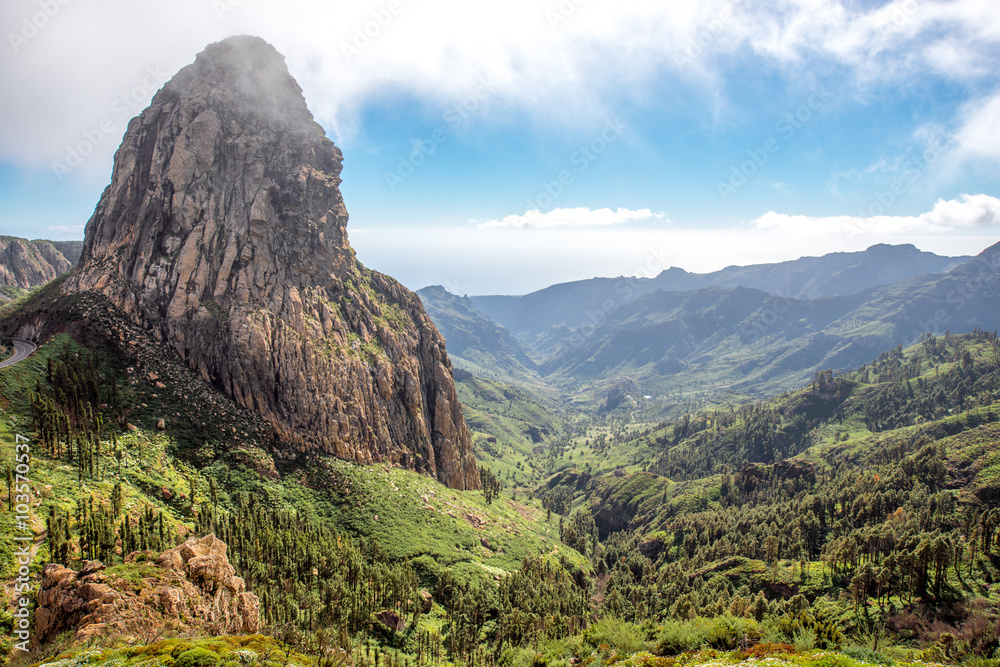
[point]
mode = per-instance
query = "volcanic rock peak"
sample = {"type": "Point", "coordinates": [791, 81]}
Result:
{"type": "Point", "coordinates": [223, 231]}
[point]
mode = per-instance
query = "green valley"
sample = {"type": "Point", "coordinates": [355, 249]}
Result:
{"type": "Point", "coordinates": [850, 520]}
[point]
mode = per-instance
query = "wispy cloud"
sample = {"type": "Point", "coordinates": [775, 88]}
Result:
{"type": "Point", "coordinates": [966, 213]}
{"type": "Point", "coordinates": [978, 136]}
{"type": "Point", "coordinates": [561, 70]}
{"type": "Point", "coordinates": [492, 261]}
{"type": "Point", "coordinates": [75, 231]}
{"type": "Point", "coordinates": [571, 217]}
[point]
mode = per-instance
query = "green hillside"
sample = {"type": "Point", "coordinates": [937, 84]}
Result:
{"type": "Point", "coordinates": [111, 479]}
{"type": "Point", "coordinates": [850, 522]}
{"type": "Point", "coordinates": [867, 502]}
{"type": "Point", "coordinates": [743, 333]}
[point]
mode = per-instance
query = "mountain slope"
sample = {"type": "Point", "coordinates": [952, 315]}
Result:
{"type": "Point", "coordinates": [71, 250]}
{"type": "Point", "coordinates": [25, 264]}
{"type": "Point", "coordinates": [223, 232]}
{"type": "Point", "coordinates": [475, 341]}
{"type": "Point", "coordinates": [710, 342]}
{"type": "Point", "coordinates": [590, 302]}
{"type": "Point", "coordinates": [944, 390]}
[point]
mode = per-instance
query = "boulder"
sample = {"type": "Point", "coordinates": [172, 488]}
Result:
{"type": "Point", "coordinates": [193, 590]}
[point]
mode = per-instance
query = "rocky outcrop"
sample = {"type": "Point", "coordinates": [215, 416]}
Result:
{"type": "Point", "coordinates": [27, 264]}
{"type": "Point", "coordinates": [71, 250]}
{"type": "Point", "coordinates": [223, 232]}
{"type": "Point", "coordinates": [191, 588]}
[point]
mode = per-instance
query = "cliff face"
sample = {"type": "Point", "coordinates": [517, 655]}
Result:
{"type": "Point", "coordinates": [27, 264]}
{"type": "Point", "coordinates": [71, 250]}
{"type": "Point", "coordinates": [223, 231]}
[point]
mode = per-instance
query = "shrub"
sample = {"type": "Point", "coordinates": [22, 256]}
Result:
{"type": "Point", "coordinates": [428, 570]}
{"type": "Point", "coordinates": [727, 632]}
{"type": "Point", "coordinates": [680, 636]}
{"type": "Point", "coordinates": [197, 657]}
{"type": "Point", "coordinates": [767, 648]}
{"type": "Point", "coordinates": [862, 654]}
{"type": "Point", "coordinates": [825, 631]}
{"type": "Point", "coordinates": [804, 639]}
{"type": "Point", "coordinates": [721, 632]}
{"type": "Point", "coordinates": [625, 637]}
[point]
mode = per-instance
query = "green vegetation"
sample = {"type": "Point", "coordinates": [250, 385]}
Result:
{"type": "Point", "coordinates": [181, 652]}
{"type": "Point", "coordinates": [511, 428]}
{"type": "Point", "coordinates": [851, 522]}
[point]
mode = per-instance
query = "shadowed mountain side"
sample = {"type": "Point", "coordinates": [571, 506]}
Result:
{"type": "Point", "coordinates": [475, 341]}
{"type": "Point", "coordinates": [584, 302]}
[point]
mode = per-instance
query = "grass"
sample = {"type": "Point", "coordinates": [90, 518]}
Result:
{"type": "Point", "coordinates": [190, 652]}
{"type": "Point", "coordinates": [414, 517]}
{"type": "Point", "coordinates": [135, 575]}
{"type": "Point", "coordinates": [511, 427]}
{"type": "Point", "coordinates": [411, 515]}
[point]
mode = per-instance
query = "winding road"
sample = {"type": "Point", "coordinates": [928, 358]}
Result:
{"type": "Point", "coordinates": [22, 350]}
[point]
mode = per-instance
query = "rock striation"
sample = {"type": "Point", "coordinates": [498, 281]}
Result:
{"type": "Point", "coordinates": [71, 250]}
{"type": "Point", "coordinates": [26, 264]}
{"type": "Point", "coordinates": [223, 232]}
{"type": "Point", "coordinates": [191, 588]}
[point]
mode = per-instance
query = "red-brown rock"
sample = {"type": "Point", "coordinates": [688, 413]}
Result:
{"type": "Point", "coordinates": [193, 589]}
{"type": "Point", "coordinates": [224, 233]}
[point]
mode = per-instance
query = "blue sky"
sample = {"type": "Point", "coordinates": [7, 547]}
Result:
{"type": "Point", "coordinates": [499, 148]}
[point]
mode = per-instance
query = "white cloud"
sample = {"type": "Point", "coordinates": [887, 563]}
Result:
{"type": "Point", "coordinates": [899, 39]}
{"type": "Point", "coordinates": [73, 231]}
{"type": "Point", "coordinates": [470, 260]}
{"type": "Point", "coordinates": [969, 212]}
{"type": "Point", "coordinates": [558, 66]}
{"type": "Point", "coordinates": [978, 137]}
{"type": "Point", "coordinates": [571, 217]}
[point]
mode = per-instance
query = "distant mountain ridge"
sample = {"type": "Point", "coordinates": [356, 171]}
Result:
{"type": "Point", "coordinates": [71, 250]}
{"type": "Point", "coordinates": [833, 274]}
{"type": "Point", "coordinates": [678, 334]}
{"type": "Point", "coordinates": [25, 264]}
{"type": "Point", "coordinates": [475, 341]}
